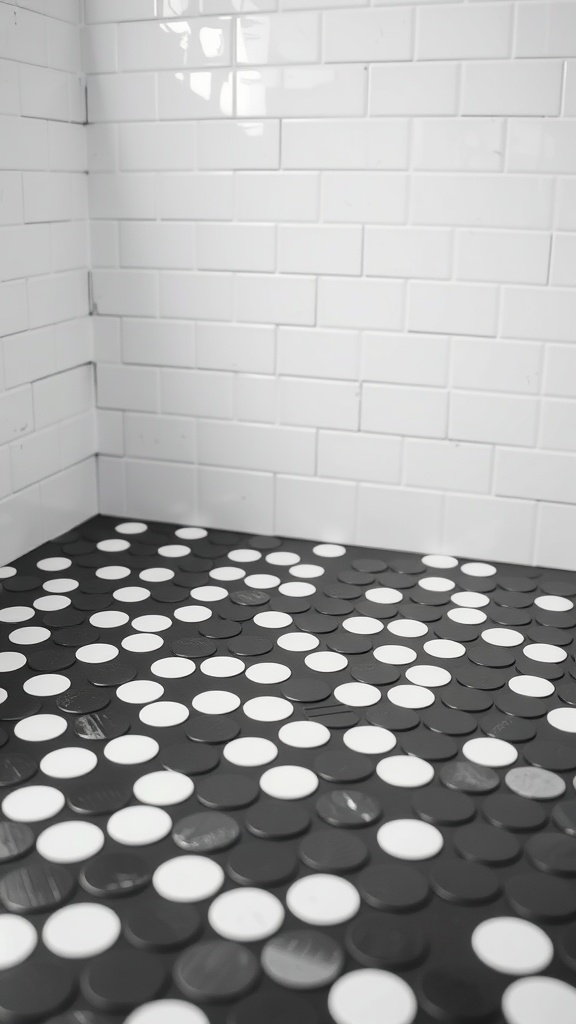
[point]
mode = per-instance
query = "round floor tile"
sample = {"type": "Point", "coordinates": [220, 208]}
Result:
{"type": "Point", "coordinates": [358, 997]}
{"type": "Point", "coordinates": [323, 899]}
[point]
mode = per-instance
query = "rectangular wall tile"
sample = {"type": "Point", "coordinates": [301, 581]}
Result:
{"type": "Point", "coordinates": [515, 256]}
{"type": "Point", "coordinates": [256, 446]}
{"type": "Point", "coordinates": [452, 308]}
{"type": "Point", "coordinates": [497, 365]}
{"type": "Point", "coordinates": [405, 358]}
{"type": "Point", "coordinates": [511, 534]}
{"type": "Point", "coordinates": [170, 438]}
{"type": "Point", "coordinates": [464, 31]}
{"type": "Point", "coordinates": [448, 466]}
{"type": "Point", "coordinates": [364, 197]}
{"type": "Point", "coordinates": [319, 250]}
{"type": "Point", "coordinates": [514, 88]}
{"type": "Point", "coordinates": [248, 348]}
{"type": "Point", "coordinates": [404, 519]}
{"type": "Point", "coordinates": [266, 298]}
{"type": "Point", "coordinates": [545, 476]}
{"type": "Point", "coordinates": [414, 89]}
{"type": "Point", "coordinates": [276, 196]}
{"type": "Point", "coordinates": [495, 419]}
{"type": "Point", "coordinates": [393, 409]}
{"type": "Point", "coordinates": [407, 252]}
{"type": "Point", "coordinates": [359, 456]}
{"type": "Point", "coordinates": [324, 507]}
{"type": "Point", "coordinates": [364, 303]}
{"type": "Point", "coordinates": [318, 353]}
{"type": "Point", "coordinates": [368, 35]}
{"type": "Point", "coordinates": [318, 403]}
{"type": "Point", "coordinates": [369, 145]}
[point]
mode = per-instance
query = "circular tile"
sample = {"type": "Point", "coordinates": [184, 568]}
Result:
{"type": "Point", "coordinates": [531, 686]}
{"type": "Point", "coordinates": [216, 702]}
{"type": "Point", "coordinates": [563, 719]}
{"type": "Point", "coordinates": [302, 959]}
{"type": "Point", "coordinates": [288, 782]}
{"type": "Point", "coordinates": [139, 691]}
{"type": "Point", "coordinates": [358, 997]}
{"type": "Point", "coordinates": [222, 667]}
{"type": "Point", "coordinates": [268, 672]}
{"type": "Point", "coordinates": [168, 1011]}
{"type": "Point", "coordinates": [139, 825]}
{"type": "Point", "coordinates": [532, 1000]}
{"type": "Point", "coordinates": [163, 714]}
{"type": "Point", "coordinates": [547, 653]}
{"type": "Point", "coordinates": [357, 695]}
{"type": "Point", "coordinates": [502, 637]}
{"type": "Point", "coordinates": [46, 685]}
{"type": "Point", "coordinates": [323, 899]}
{"type": "Point", "coordinates": [33, 803]}
{"type": "Point", "coordinates": [409, 696]}
{"type": "Point", "coordinates": [326, 661]}
{"type": "Point", "coordinates": [405, 771]}
{"type": "Point", "coordinates": [68, 842]}
{"type": "Point", "coordinates": [246, 915]}
{"type": "Point", "coordinates": [304, 735]}
{"type": "Point", "coordinates": [491, 753]}
{"type": "Point", "coordinates": [250, 751]}
{"type": "Point", "coordinates": [216, 971]}
{"type": "Point", "coordinates": [173, 668]}
{"type": "Point", "coordinates": [68, 762]}
{"type": "Point", "coordinates": [267, 709]}
{"type": "Point", "coordinates": [535, 783]}
{"type": "Point", "coordinates": [188, 879]}
{"type": "Point", "coordinates": [428, 675]}
{"type": "Point", "coordinates": [444, 649]}
{"type": "Point", "coordinates": [18, 939]}
{"type": "Point", "coordinates": [131, 749]}
{"type": "Point", "coordinates": [81, 930]}
{"type": "Point", "coordinates": [369, 739]}
{"type": "Point", "coordinates": [409, 839]}
{"type": "Point", "coordinates": [163, 788]}
{"type": "Point", "coordinates": [391, 654]}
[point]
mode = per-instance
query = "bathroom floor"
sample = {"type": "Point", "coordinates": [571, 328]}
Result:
{"type": "Point", "coordinates": [250, 780]}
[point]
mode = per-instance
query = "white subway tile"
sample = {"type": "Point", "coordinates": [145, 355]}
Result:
{"type": "Point", "coordinates": [493, 419]}
{"type": "Point", "coordinates": [112, 486]}
{"type": "Point", "coordinates": [563, 266]}
{"type": "Point", "coordinates": [256, 446]}
{"type": "Point", "coordinates": [110, 433]}
{"type": "Point", "coordinates": [514, 256]}
{"type": "Point", "coordinates": [69, 245]}
{"type": "Point", "coordinates": [278, 38]}
{"type": "Point", "coordinates": [558, 424]}
{"type": "Point", "coordinates": [29, 356]}
{"type": "Point", "coordinates": [407, 252]}
{"type": "Point", "coordinates": [364, 303]}
{"type": "Point", "coordinates": [560, 371]}
{"type": "Point", "coordinates": [544, 146]}
{"type": "Point", "coordinates": [500, 201]}
{"type": "Point", "coordinates": [195, 296]}
{"type": "Point", "coordinates": [414, 89]}
{"type": "Point", "coordinates": [368, 35]}
{"type": "Point", "coordinates": [67, 146]}
{"type": "Point", "coordinates": [66, 10]}
{"type": "Point", "coordinates": [127, 387]}
{"type": "Point", "coordinates": [371, 144]}
{"type": "Point", "coordinates": [464, 31]}
{"type": "Point", "coordinates": [452, 308]}
{"type": "Point", "coordinates": [245, 348]}
{"type": "Point", "coordinates": [447, 465]}
{"type": "Point", "coordinates": [125, 292]}
{"type": "Point", "coordinates": [127, 10]}
{"type": "Point", "coordinates": [540, 313]}
{"type": "Point", "coordinates": [104, 243]}
{"type": "Point", "coordinates": [27, 38]}
{"type": "Point", "coordinates": [556, 525]}
{"type": "Point", "coordinates": [54, 196]}
{"type": "Point", "coordinates": [77, 439]}
{"type": "Point", "coordinates": [22, 524]}
{"type": "Point", "coordinates": [277, 196]}
{"type": "Point", "coordinates": [63, 394]}
{"type": "Point", "coordinates": [318, 353]}
{"type": "Point", "coordinates": [23, 144]}
{"type": "Point", "coordinates": [158, 342]}
{"type": "Point", "coordinates": [6, 486]}
{"type": "Point", "coordinates": [412, 411]}
{"type": "Point", "coordinates": [479, 364]}
{"type": "Point", "coordinates": [546, 30]}
{"type": "Point", "coordinates": [99, 48]}
{"type": "Point", "coordinates": [161, 490]}
{"type": "Point", "coordinates": [181, 44]}
{"type": "Point", "coordinates": [11, 200]}
{"type": "Point", "coordinates": [16, 414]}
{"type": "Point", "coordinates": [361, 196]}
{"type": "Point", "coordinates": [197, 393]}
{"type": "Point", "coordinates": [517, 88]}
{"type": "Point", "coordinates": [400, 518]}
{"type": "Point", "coordinates": [236, 246]}
{"type": "Point", "coordinates": [510, 534]}
{"type": "Point", "coordinates": [195, 196]}
{"type": "Point", "coordinates": [194, 94]}
{"type": "Point", "coordinates": [238, 145]}
{"type": "Point", "coordinates": [569, 104]}
{"type": "Point", "coordinates": [106, 339]}
{"type": "Point", "coordinates": [355, 456]}
{"type": "Point", "coordinates": [152, 244]}
{"type": "Point", "coordinates": [235, 499]}
{"type": "Point", "coordinates": [256, 399]}
{"type": "Point", "coordinates": [34, 457]}
{"type": "Point", "coordinates": [9, 87]}
{"type": "Point", "coordinates": [69, 498]}
{"type": "Point", "coordinates": [297, 4]}
{"type": "Point", "coordinates": [102, 145]}
{"type": "Point", "coordinates": [24, 251]}
{"type": "Point", "coordinates": [267, 298]}
{"type": "Point", "coordinates": [127, 97]}
{"type": "Point", "coordinates": [73, 343]}
{"type": "Point", "coordinates": [315, 403]}
{"type": "Point", "coordinates": [317, 90]}
{"type": "Point", "coordinates": [64, 51]}
{"type": "Point", "coordinates": [405, 358]}
{"type": "Point", "coordinates": [325, 509]}
{"type": "Point", "coordinates": [169, 438]}
{"type": "Point", "coordinates": [545, 476]}
{"type": "Point", "coordinates": [458, 144]}
{"type": "Point", "coordinates": [157, 146]}
{"type": "Point", "coordinates": [13, 307]}
{"type": "Point", "coordinates": [566, 204]}
{"type": "Point", "coordinates": [319, 249]}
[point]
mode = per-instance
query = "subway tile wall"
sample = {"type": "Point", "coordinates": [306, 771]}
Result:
{"type": "Point", "coordinates": [47, 416]}
{"type": "Point", "coordinates": [334, 268]}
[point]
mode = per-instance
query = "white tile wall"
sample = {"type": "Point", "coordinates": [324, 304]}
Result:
{"type": "Point", "coordinates": [47, 425]}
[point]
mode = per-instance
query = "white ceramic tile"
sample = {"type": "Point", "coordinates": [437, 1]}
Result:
{"type": "Point", "coordinates": [132, 10]}
{"type": "Point", "coordinates": [569, 103]}
{"type": "Point", "coordinates": [560, 371]}
{"type": "Point", "coordinates": [127, 387]}
{"type": "Point", "coordinates": [104, 243]}
{"type": "Point", "coordinates": [406, 519]}
{"type": "Point", "coordinates": [237, 6]}
{"type": "Point", "coordinates": [521, 87]}
{"type": "Point", "coordinates": [328, 506]}
{"type": "Point", "coordinates": [546, 30]}
{"type": "Point", "coordinates": [63, 394]}
{"type": "Point", "coordinates": [511, 527]}
{"type": "Point", "coordinates": [196, 296]}
{"type": "Point", "coordinates": [407, 252]}
{"type": "Point", "coordinates": [458, 31]}
{"type": "Point", "coordinates": [110, 433]}
{"type": "Point", "coordinates": [447, 466]}
{"type": "Point", "coordinates": [318, 353]}
{"type": "Point", "coordinates": [268, 298]}
{"type": "Point", "coordinates": [158, 342]}
{"type": "Point", "coordinates": [13, 307]}
{"type": "Point", "coordinates": [494, 419]}
{"type": "Point", "coordinates": [555, 524]}
{"type": "Point", "coordinates": [73, 343]}
{"type": "Point", "coordinates": [316, 90]}
{"type": "Point", "coordinates": [102, 146]}
{"type": "Point", "coordinates": [276, 196]}
{"type": "Point", "coordinates": [22, 524]}
{"type": "Point", "coordinates": [235, 499]}
{"type": "Point", "coordinates": [26, 39]}
{"type": "Point", "coordinates": [55, 297]}
{"type": "Point", "coordinates": [364, 197]}
{"type": "Point", "coordinates": [256, 398]}
{"type": "Point", "coordinates": [99, 48]}
{"type": "Point", "coordinates": [194, 94]}
{"type": "Point", "coordinates": [414, 89]}
{"type": "Point", "coordinates": [359, 456]}
{"type": "Point", "coordinates": [5, 478]}
{"type": "Point", "coordinates": [23, 143]}
{"type": "Point", "coordinates": [566, 204]}
{"type": "Point", "coordinates": [412, 411]}
{"type": "Point", "coordinates": [170, 438]}
{"type": "Point", "coordinates": [545, 476]}
{"type": "Point", "coordinates": [236, 246]}
{"type": "Point", "coordinates": [515, 256]}
{"type": "Point", "coordinates": [165, 245]}
{"type": "Point", "coordinates": [69, 245]}
{"type": "Point", "coordinates": [125, 292]}
{"type": "Point", "coordinates": [54, 196]}
{"type": "Point", "coordinates": [66, 10]}
{"type": "Point", "coordinates": [499, 365]}
{"type": "Point", "coordinates": [180, 44]}
{"type": "Point", "coordinates": [542, 145]}
{"type": "Point", "coordinates": [458, 144]}
{"type": "Point", "coordinates": [247, 348]}
{"type": "Point", "coordinates": [238, 145]}
{"type": "Point", "coordinates": [319, 250]}
{"type": "Point", "coordinates": [34, 457]}
{"type": "Point", "coordinates": [69, 498]}
{"type": "Point", "coordinates": [106, 330]}
{"type": "Point", "coordinates": [368, 35]}
{"type": "Point", "coordinates": [127, 97]}
{"type": "Point", "coordinates": [292, 38]}
{"type": "Point", "coordinates": [452, 308]}
{"type": "Point", "coordinates": [16, 414]}
{"type": "Point", "coordinates": [64, 51]}
{"type": "Point", "coordinates": [112, 486]}
{"type": "Point", "coordinates": [196, 393]}
{"type": "Point", "coordinates": [195, 196]}
{"type": "Point", "coordinates": [363, 303]}
{"type": "Point", "coordinates": [317, 403]}
{"type": "Point", "coordinates": [558, 424]}
{"type": "Point", "coordinates": [500, 201]}
{"type": "Point", "coordinates": [11, 198]}
{"type": "Point", "coordinates": [24, 251]}
{"type": "Point", "coordinates": [256, 447]}
{"type": "Point", "coordinates": [77, 439]}
{"type": "Point", "coordinates": [405, 358]}
{"type": "Point", "coordinates": [9, 88]}
{"type": "Point", "coordinates": [29, 356]}
{"type": "Point", "coordinates": [548, 314]}
{"type": "Point", "coordinates": [357, 144]}
{"type": "Point", "coordinates": [67, 147]}
{"type": "Point", "coordinates": [157, 146]}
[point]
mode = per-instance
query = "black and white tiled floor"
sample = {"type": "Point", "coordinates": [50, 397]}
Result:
{"type": "Point", "coordinates": [248, 780]}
